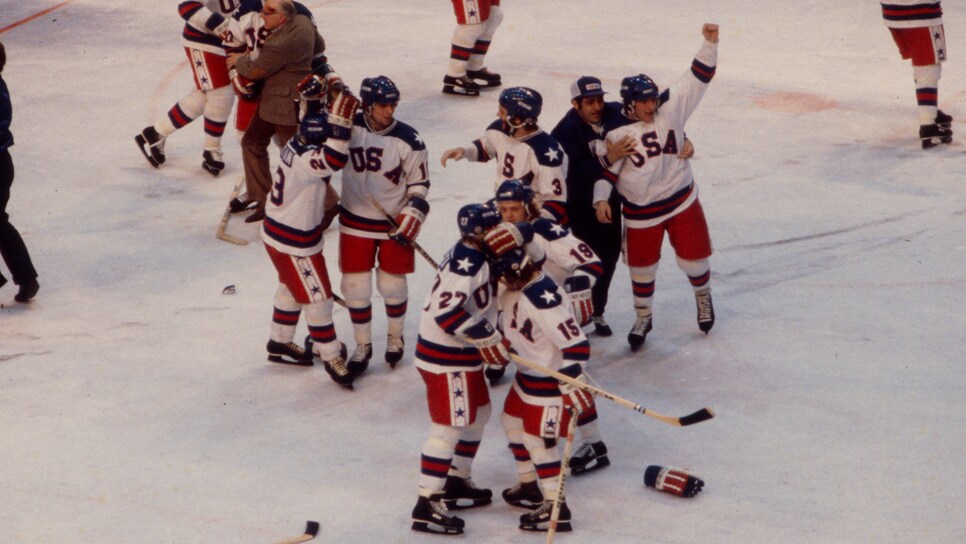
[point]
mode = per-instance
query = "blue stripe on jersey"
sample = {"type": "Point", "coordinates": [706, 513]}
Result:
{"type": "Point", "coordinates": [432, 352]}
{"type": "Point", "coordinates": [577, 352]}
{"type": "Point", "coordinates": [453, 319]}
{"type": "Point", "coordinates": [538, 386]}
{"type": "Point", "coordinates": [658, 208]}
{"type": "Point", "coordinates": [292, 237]}
{"type": "Point", "coordinates": [702, 71]}
{"type": "Point", "coordinates": [365, 224]}
{"type": "Point", "coordinates": [915, 12]}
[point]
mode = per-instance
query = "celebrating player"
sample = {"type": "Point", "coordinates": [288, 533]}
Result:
{"type": "Point", "coordinates": [522, 151]}
{"type": "Point", "coordinates": [292, 232]}
{"type": "Point", "coordinates": [476, 22]}
{"type": "Point", "coordinates": [657, 187]}
{"type": "Point", "coordinates": [206, 24]}
{"type": "Point", "coordinates": [388, 166]}
{"type": "Point", "coordinates": [456, 336]}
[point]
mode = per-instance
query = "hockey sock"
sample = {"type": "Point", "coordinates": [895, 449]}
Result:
{"type": "Point", "coordinates": [482, 44]}
{"type": "Point", "coordinates": [927, 91]}
{"type": "Point", "coordinates": [318, 316]}
{"type": "Point", "coordinates": [587, 425]}
{"type": "Point", "coordinates": [547, 463]}
{"type": "Point", "coordinates": [469, 444]}
{"type": "Point", "coordinates": [285, 316]}
{"type": "Point", "coordinates": [395, 291]}
{"type": "Point", "coordinates": [217, 110]}
{"type": "Point", "coordinates": [698, 272]}
{"type": "Point", "coordinates": [185, 111]}
{"type": "Point", "coordinates": [357, 290]}
{"type": "Point", "coordinates": [437, 456]}
{"type": "Point", "coordinates": [642, 284]}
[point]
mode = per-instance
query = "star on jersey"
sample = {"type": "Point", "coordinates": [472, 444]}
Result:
{"type": "Point", "coordinates": [552, 154]}
{"type": "Point", "coordinates": [417, 138]}
{"type": "Point", "coordinates": [464, 264]}
{"type": "Point", "coordinates": [558, 230]}
{"type": "Point", "coordinates": [549, 297]}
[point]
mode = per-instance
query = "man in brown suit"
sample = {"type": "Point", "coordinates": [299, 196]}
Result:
{"type": "Point", "coordinates": [282, 62]}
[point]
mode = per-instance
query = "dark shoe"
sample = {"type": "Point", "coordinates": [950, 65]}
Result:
{"type": "Point", "coordinates": [489, 79]}
{"type": "Point", "coordinates": [525, 495]}
{"type": "Point", "coordinates": [257, 215]}
{"type": "Point", "coordinates": [288, 353]}
{"type": "Point", "coordinates": [600, 326]}
{"type": "Point", "coordinates": [933, 135]}
{"type": "Point", "coordinates": [28, 290]}
{"type": "Point", "coordinates": [212, 160]}
{"type": "Point", "coordinates": [539, 519]}
{"type": "Point", "coordinates": [151, 145]}
{"type": "Point", "coordinates": [431, 516]}
{"type": "Point", "coordinates": [463, 489]}
{"type": "Point", "coordinates": [462, 86]}
{"type": "Point", "coordinates": [589, 458]}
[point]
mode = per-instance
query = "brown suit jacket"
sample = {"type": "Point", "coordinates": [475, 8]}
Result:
{"type": "Point", "coordinates": [283, 61]}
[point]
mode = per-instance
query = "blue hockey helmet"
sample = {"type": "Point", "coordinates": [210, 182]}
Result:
{"type": "Point", "coordinates": [523, 103]}
{"type": "Point", "coordinates": [639, 87]}
{"type": "Point", "coordinates": [476, 219]}
{"type": "Point", "coordinates": [514, 266]}
{"type": "Point", "coordinates": [314, 128]}
{"type": "Point", "coordinates": [514, 190]}
{"type": "Point", "coordinates": [378, 90]}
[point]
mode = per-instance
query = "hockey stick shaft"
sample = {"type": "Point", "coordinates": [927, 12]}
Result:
{"type": "Point", "coordinates": [690, 419]}
{"type": "Point", "coordinates": [392, 221]}
{"type": "Point", "coordinates": [220, 233]}
{"type": "Point", "coordinates": [561, 480]}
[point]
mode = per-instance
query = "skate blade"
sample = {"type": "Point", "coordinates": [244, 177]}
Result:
{"type": "Point", "coordinates": [211, 169]}
{"type": "Point", "coordinates": [473, 503]}
{"type": "Point", "coordinates": [281, 360]}
{"type": "Point", "coordinates": [562, 527]}
{"type": "Point", "coordinates": [459, 91]}
{"type": "Point", "coordinates": [597, 464]}
{"type": "Point", "coordinates": [432, 528]}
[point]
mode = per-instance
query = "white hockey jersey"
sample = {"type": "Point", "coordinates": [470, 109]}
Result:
{"type": "Point", "coordinates": [459, 307]}
{"type": "Point", "coordinates": [537, 159]}
{"type": "Point", "coordinates": [912, 13]}
{"type": "Point", "coordinates": [655, 183]}
{"type": "Point", "coordinates": [296, 206]}
{"type": "Point", "coordinates": [542, 329]}
{"type": "Point", "coordinates": [201, 18]}
{"type": "Point", "coordinates": [391, 166]}
{"type": "Point", "coordinates": [566, 255]}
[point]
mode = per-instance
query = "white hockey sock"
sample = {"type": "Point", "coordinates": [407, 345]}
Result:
{"type": "Point", "coordinates": [464, 40]}
{"type": "Point", "coordinates": [927, 91]}
{"type": "Point", "coordinates": [483, 41]}
{"type": "Point", "coordinates": [357, 290]}
{"type": "Point", "coordinates": [285, 315]}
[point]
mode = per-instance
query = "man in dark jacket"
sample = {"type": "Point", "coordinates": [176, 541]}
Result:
{"type": "Point", "coordinates": [11, 244]}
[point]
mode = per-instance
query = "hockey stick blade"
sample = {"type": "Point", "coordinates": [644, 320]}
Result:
{"type": "Point", "coordinates": [703, 414]}
{"type": "Point", "coordinates": [311, 529]}
{"type": "Point", "coordinates": [223, 224]}
{"type": "Point", "coordinates": [231, 239]}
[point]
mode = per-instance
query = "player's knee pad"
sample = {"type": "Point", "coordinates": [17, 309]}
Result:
{"type": "Point", "coordinates": [284, 299]}
{"type": "Point", "coordinates": [357, 288]}
{"type": "Point", "coordinates": [927, 76]}
{"type": "Point", "coordinates": [219, 102]}
{"type": "Point", "coordinates": [319, 313]}
{"type": "Point", "coordinates": [392, 287]}
{"type": "Point", "coordinates": [194, 103]}
{"type": "Point", "coordinates": [491, 24]}
{"type": "Point", "coordinates": [694, 268]}
{"type": "Point", "coordinates": [643, 273]}
{"type": "Point", "coordinates": [466, 35]}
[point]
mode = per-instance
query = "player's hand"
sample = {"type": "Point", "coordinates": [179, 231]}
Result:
{"type": "Point", "coordinates": [578, 287]}
{"type": "Point", "coordinates": [710, 32]}
{"type": "Point", "coordinates": [687, 150]}
{"type": "Point", "coordinates": [343, 110]}
{"type": "Point", "coordinates": [311, 87]}
{"type": "Point", "coordinates": [410, 219]}
{"type": "Point", "coordinates": [507, 236]}
{"type": "Point", "coordinates": [603, 212]}
{"type": "Point", "coordinates": [242, 86]}
{"type": "Point", "coordinates": [456, 154]}
{"type": "Point", "coordinates": [574, 397]}
{"type": "Point", "coordinates": [495, 349]}
{"type": "Point", "coordinates": [619, 149]}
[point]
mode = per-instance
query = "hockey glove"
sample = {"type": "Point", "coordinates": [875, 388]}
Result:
{"type": "Point", "coordinates": [218, 25]}
{"type": "Point", "coordinates": [311, 87]}
{"type": "Point", "coordinates": [507, 236]}
{"type": "Point", "coordinates": [574, 397]}
{"type": "Point", "coordinates": [580, 298]}
{"type": "Point", "coordinates": [341, 112]}
{"type": "Point", "coordinates": [243, 86]}
{"type": "Point", "coordinates": [493, 373]}
{"type": "Point", "coordinates": [410, 219]}
{"type": "Point", "coordinates": [675, 481]}
{"type": "Point", "coordinates": [495, 349]}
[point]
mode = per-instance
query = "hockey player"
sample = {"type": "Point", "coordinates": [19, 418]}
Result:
{"type": "Point", "coordinates": [476, 22]}
{"type": "Point", "coordinates": [292, 233]}
{"type": "Point", "coordinates": [456, 336]}
{"type": "Point", "coordinates": [657, 188]}
{"type": "Point", "coordinates": [206, 25]}
{"type": "Point", "coordinates": [917, 29]}
{"type": "Point", "coordinates": [388, 165]}
{"type": "Point", "coordinates": [571, 264]}
{"type": "Point", "coordinates": [522, 151]}
{"type": "Point", "coordinates": [540, 327]}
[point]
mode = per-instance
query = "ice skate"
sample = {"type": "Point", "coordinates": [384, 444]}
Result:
{"type": "Point", "coordinates": [337, 369]}
{"type": "Point", "coordinates": [705, 310]}
{"type": "Point", "coordinates": [359, 361]}
{"type": "Point", "coordinates": [461, 493]}
{"type": "Point", "coordinates": [431, 516]}
{"type": "Point", "coordinates": [489, 79]}
{"type": "Point", "coordinates": [288, 353]}
{"type": "Point", "coordinates": [525, 495]}
{"type": "Point", "coordinates": [588, 458]}
{"type": "Point", "coordinates": [639, 331]}
{"type": "Point", "coordinates": [395, 346]}
{"type": "Point", "coordinates": [462, 86]}
{"type": "Point", "coordinates": [213, 161]}
{"type": "Point", "coordinates": [539, 519]}
{"type": "Point", "coordinates": [151, 145]}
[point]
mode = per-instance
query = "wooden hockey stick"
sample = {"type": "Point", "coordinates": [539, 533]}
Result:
{"type": "Point", "coordinates": [703, 414]}
{"type": "Point", "coordinates": [392, 221]}
{"type": "Point", "coordinates": [221, 234]}
{"type": "Point", "coordinates": [564, 468]}
{"type": "Point", "coordinates": [311, 529]}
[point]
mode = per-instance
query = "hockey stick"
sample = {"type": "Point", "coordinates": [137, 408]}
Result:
{"type": "Point", "coordinates": [703, 414]}
{"type": "Point", "coordinates": [221, 234]}
{"type": "Point", "coordinates": [311, 529]}
{"type": "Point", "coordinates": [392, 221]}
{"type": "Point", "coordinates": [564, 468]}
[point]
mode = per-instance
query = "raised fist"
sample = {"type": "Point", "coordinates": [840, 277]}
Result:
{"type": "Point", "coordinates": [312, 87]}
{"type": "Point", "coordinates": [342, 109]}
{"type": "Point", "coordinates": [507, 236]}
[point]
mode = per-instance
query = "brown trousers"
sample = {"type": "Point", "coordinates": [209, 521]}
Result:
{"type": "Point", "coordinates": [255, 142]}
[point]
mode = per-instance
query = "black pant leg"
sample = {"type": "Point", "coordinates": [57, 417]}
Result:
{"type": "Point", "coordinates": [12, 248]}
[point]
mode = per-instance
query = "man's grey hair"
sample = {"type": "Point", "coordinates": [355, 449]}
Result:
{"type": "Point", "coordinates": [287, 8]}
